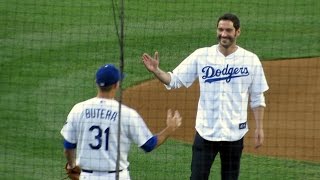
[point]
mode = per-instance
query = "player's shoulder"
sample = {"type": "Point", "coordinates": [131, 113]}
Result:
{"type": "Point", "coordinates": [206, 50]}
{"type": "Point", "coordinates": [128, 110]}
{"type": "Point", "coordinates": [129, 115]}
{"type": "Point", "coordinates": [202, 53]}
{"type": "Point", "coordinates": [249, 56]}
{"type": "Point", "coordinates": [87, 102]}
{"type": "Point", "coordinates": [246, 53]}
{"type": "Point", "coordinates": [80, 105]}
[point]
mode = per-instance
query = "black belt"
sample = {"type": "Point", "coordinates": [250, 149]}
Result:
{"type": "Point", "coordinates": [90, 171]}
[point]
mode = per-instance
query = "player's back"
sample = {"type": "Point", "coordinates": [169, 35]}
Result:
{"type": "Point", "coordinates": [97, 127]}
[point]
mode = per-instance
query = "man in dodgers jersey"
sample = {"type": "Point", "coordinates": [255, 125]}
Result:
{"type": "Point", "coordinates": [90, 132]}
{"type": "Point", "coordinates": [228, 75]}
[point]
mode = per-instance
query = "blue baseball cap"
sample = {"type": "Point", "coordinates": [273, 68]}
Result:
{"type": "Point", "coordinates": [108, 75]}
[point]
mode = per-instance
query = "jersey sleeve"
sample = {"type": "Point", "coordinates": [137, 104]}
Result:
{"type": "Point", "coordinates": [150, 144]}
{"type": "Point", "coordinates": [185, 73]}
{"type": "Point", "coordinates": [69, 130]}
{"type": "Point", "coordinates": [138, 131]}
{"type": "Point", "coordinates": [259, 82]}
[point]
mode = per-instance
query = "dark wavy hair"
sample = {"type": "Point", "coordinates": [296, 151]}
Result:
{"type": "Point", "coordinates": [231, 17]}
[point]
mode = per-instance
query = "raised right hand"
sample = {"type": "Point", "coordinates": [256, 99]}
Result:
{"type": "Point", "coordinates": [150, 63]}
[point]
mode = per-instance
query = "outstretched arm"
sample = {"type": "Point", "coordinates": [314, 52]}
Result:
{"type": "Point", "coordinates": [173, 122]}
{"type": "Point", "coordinates": [152, 65]}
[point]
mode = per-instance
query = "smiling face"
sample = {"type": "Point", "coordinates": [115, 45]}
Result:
{"type": "Point", "coordinates": [227, 33]}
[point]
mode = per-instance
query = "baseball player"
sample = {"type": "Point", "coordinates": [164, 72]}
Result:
{"type": "Point", "coordinates": [230, 77]}
{"type": "Point", "coordinates": [91, 130]}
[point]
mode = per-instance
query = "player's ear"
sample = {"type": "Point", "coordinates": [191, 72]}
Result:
{"type": "Point", "coordinates": [117, 85]}
{"type": "Point", "coordinates": [238, 32]}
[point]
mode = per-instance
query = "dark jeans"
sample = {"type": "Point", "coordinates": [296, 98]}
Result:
{"type": "Point", "coordinates": [204, 153]}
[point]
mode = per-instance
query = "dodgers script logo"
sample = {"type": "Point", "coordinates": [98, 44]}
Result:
{"type": "Point", "coordinates": [211, 74]}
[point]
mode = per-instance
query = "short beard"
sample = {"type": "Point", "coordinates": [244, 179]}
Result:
{"type": "Point", "coordinates": [226, 46]}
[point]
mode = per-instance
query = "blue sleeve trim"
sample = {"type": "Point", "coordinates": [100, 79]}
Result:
{"type": "Point", "coordinates": [150, 144]}
{"type": "Point", "coordinates": [68, 145]}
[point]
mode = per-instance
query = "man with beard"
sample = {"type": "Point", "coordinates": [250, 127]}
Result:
{"type": "Point", "coordinates": [230, 77]}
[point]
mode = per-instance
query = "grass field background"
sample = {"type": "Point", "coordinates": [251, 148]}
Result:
{"type": "Point", "coordinates": [51, 49]}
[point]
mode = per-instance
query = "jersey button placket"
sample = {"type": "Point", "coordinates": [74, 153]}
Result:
{"type": "Point", "coordinates": [223, 100]}
{"type": "Point", "coordinates": [221, 108]}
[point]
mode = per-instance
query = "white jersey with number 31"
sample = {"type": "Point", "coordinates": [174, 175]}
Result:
{"type": "Point", "coordinates": [93, 126]}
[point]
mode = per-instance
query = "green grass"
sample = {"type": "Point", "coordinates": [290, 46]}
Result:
{"type": "Point", "coordinates": [51, 49]}
{"type": "Point", "coordinates": [172, 161]}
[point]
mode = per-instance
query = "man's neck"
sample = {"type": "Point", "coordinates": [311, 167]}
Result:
{"type": "Point", "coordinates": [106, 95]}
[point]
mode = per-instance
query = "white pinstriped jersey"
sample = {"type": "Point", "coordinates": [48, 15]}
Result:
{"type": "Point", "coordinates": [225, 86]}
{"type": "Point", "coordinates": [93, 126]}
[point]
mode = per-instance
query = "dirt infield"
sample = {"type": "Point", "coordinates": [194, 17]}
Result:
{"type": "Point", "coordinates": [292, 116]}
